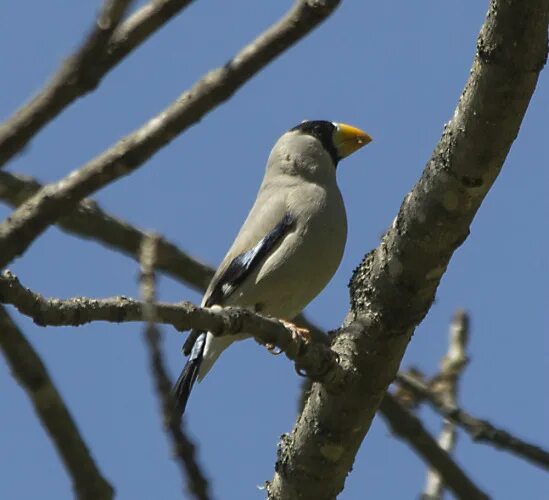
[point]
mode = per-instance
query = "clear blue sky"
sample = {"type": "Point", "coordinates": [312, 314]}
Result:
{"type": "Point", "coordinates": [395, 69]}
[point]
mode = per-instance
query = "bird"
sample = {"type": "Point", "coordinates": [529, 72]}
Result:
{"type": "Point", "coordinates": [289, 246]}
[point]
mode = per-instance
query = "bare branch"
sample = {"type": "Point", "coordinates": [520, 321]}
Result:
{"type": "Point", "coordinates": [409, 428]}
{"type": "Point", "coordinates": [315, 359]}
{"type": "Point", "coordinates": [30, 372]}
{"type": "Point", "coordinates": [446, 385]}
{"type": "Point", "coordinates": [184, 449]}
{"type": "Point", "coordinates": [479, 430]}
{"type": "Point", "coordinates": [394, 287]}
{"type": "Point", "coordinates": [74, 78]}
{"type": "Point", "coordinates": [136, 29]}
{"type": "Point", "coordinates": [34, 216]}
{"type": "Point", "coordinates": [88, 220]}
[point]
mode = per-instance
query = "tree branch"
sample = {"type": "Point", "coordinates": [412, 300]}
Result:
{"type": "Point", "coordinates": [27, 222]}
{"type": "Point", "coordinates": [446, 385]}
{"type": "Point", "coordinates": [409, 428]}
{"type": "Point", "coordinates": [184, 449]}
{"type": "Point", "coordinates": [479, 430]}
{"type": "Point", "coordinates": [27, 121]}
{"type": "Point", "coordinates": [88, 220]}
{"type": "Point", "coordinates": [30, 372]}
{"type": "Point", "coordinates": [74, 78]}
{"type": "Point", "coordinates": [394, 287]}
{"type": "Point", "coordinates": [315, 359]}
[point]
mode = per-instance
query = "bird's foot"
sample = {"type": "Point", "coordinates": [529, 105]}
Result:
{"type": "Point", "coordinates": [297, 332]}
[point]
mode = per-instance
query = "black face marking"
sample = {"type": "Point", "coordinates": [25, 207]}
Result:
{"type": "Point", "coordinates": [324, 132]}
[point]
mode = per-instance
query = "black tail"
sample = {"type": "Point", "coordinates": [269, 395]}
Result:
{"type": "Point", "coordinates": [183, 387]}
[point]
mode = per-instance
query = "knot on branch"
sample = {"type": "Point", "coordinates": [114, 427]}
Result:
{"type": "Point", "coordinates": [231, 320]}
{"type": "Point", "coordinates": [10, 278]}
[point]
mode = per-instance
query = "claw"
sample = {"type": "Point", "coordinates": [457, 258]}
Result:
{"type": "Point", "coordinates": [297, 332]}
{"type": "Point", "coordinates": [273, 349]}
{"type": "Point", "coordinates": [301, 372]}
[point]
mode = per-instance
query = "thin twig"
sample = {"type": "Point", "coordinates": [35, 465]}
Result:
{"type": "Point", "coordinates": [479, 430]}
{"type": "Point", "coordinates": [75, 77]}
{"type": "Point", "coordinates": [316, 359]}
{"type": "Point", "coordinates": [27, 222]}
{"type": "Point", "coordinates": [30, 372]}
{"type": "Point", "coordinates": [410, 429]}
{"type": "Point", "coordinates": [446, 385]}
{"type": "Point", "coordinates": [184, 449]}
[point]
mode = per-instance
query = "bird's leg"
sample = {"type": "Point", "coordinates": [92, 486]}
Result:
{"type": "Point", "coordinates": [270, 347]}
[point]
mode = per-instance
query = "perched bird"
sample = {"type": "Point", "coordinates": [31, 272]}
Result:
{"type": "Point", "coordinates": [290, 244]}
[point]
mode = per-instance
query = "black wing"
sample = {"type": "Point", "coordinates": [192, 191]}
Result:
{"type": "Point", "coordinates": [245, 263]}
{"type": "Point", "coordinates": [239, 268]}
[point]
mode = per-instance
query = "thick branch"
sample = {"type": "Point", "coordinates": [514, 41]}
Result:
{"type": "Point", "coordinates": [184, 450]}
{"type": "Point", "coordinates": [446, 385]}
{"type": "Point", "coordinates": [395, 285]}
{"type": "Point", "coordinates": [71, 80]}
{"type": "Point", "coordinates": [409, 428]}
{"type": "Point", "coordinates": [19, 230]}
{"type": "Point", "coordinates": [106, 46]}
{"type": "Point", "coordinates": [479, 430]}
{"type": "Point", "coordinates": [314, 358]}
{"type": "Point", "coordinates": [28, 369]}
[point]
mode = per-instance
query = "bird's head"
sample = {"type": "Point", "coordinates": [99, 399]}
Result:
{"type": "Point", "coordinates": [313, 149]}
{"type": "Point", "coordinates": [338, 139]}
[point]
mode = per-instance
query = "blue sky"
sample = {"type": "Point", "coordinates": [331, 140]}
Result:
{"type": "Point", "coordinates": [395, 69]}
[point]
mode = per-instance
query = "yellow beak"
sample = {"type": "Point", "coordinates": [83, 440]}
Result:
{"type": "Point", "coordinates": [348, 139]}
